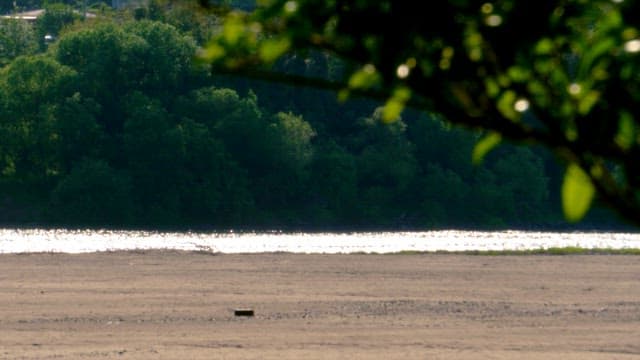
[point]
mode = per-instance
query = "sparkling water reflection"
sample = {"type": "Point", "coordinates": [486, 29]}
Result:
{"type": "Point", "coordinates": [21, 241]}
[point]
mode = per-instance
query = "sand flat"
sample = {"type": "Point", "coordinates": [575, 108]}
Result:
{"type": "Point", "coordinates": [179, 305]}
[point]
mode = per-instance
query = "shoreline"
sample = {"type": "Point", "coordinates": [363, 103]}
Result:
{"type": "Point", "coordinates": [552, 251]}
{"type": "Point", "coordinates": [479, 243]}
{"type": "Point", "coordinates": [292, 229]}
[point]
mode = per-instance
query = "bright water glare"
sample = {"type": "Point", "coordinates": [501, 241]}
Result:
{"type": "Point", "coordinates": [24, 241]}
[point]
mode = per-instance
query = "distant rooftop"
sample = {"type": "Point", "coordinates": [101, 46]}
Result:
{"type": "Point", "coordinates": [27, 15]}
{"type": "Point", "coordinates": [33, 15]}
{"type": "Point", "coordinates": [119, 4]}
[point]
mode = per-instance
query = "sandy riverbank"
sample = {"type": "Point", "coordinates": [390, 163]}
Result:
{"type": "Point", "coordinates": [179, 305]}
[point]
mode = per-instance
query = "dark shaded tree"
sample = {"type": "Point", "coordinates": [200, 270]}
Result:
{"type": "Point", "coordinates": [93, 194]}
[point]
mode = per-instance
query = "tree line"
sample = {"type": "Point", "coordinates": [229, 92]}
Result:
{"type": "Point", "coordinates": [116, 124]}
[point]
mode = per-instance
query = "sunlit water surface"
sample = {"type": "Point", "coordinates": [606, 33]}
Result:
{"type": "Point", "coordinates": [23, 241]}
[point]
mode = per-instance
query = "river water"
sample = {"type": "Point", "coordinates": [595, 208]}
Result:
{"type": "Point", "coordinates": [25, 241]}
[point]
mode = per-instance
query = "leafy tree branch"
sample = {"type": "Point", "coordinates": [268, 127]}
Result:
{"type": "Point", "coordinates": [562, 74]}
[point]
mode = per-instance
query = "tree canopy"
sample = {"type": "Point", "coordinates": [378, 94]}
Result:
{"type": "Point", "coordinates": [562, 74]}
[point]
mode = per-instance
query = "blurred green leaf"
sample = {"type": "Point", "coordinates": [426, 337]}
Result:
{"type": "Point", "coordinates": [612, 20]}
{"type": "Point", "coordinates": [394, 106]}
{"type": "Point", "coordinates": [518, 74]}
{"type": "Point", "coordinates": [602, 47]}
{"type": "Point", "coordinates": [626, 131]}
{"type": "Point", "coordinates": [505, 105]}
{"type": "Point", "coordinates": [233, 29]}
{"type": "Point", "coordinates": [364, 78]}
{"type": "Point", "coordinates": [570, 131]}
{"type": "Point", "coordinates": [539, 92]}
{"type": "Point", "coordinates": [493, 89]}
{"type": "Point", "coordinates": [272, 49]}
{"type": "Point", "coordinates": [212, 52]}
{"type": "Point", "coordinates": [588, 101]}
{"type": "Point", "coordinates": [544, 67]}
{"type": "Point", "coordinates": [544, 47]}
{"type": "Point", "coordinates": [577, 193]}
{"type": "Point", "coordinates": [343, 95]}
{"type": "Point", "coordinates": [484, 145]}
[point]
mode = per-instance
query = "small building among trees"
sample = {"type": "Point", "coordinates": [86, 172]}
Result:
{"type": "Point", "coordinates": [31, 16]}
{"type": "Point", "coordinates": [119, 4]}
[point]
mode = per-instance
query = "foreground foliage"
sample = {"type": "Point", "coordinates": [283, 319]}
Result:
{"type": "Point", "coordinates": [562, 74]}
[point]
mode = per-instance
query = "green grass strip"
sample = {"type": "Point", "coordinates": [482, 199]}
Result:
{"type": "Point", "coordinates": [569, 250]}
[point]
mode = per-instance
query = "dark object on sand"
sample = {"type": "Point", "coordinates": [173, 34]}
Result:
{"type": "Point", "coordinates": [243, 312]}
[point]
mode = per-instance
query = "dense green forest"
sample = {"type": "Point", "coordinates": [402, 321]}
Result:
{"type": "Point", "coordinates": [114, 124]}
